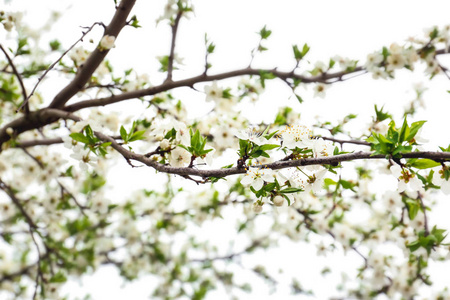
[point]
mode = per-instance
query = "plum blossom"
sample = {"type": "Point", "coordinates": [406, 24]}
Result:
{"type": "Point", "coordinates": [182, 135]}
{"type": "Point", "coordinates": [373, 60]}
{"type": "Point", "coordinates": [439, 180]}
{"type": "Point", "coordinates": [278, 200]}
{"type": "Point", "coordinates": [179, 157]}
{"type": "Point", "coordinates": [322, 148]}
{"type": "Point", "coordinates": [107, 42]}
{"type": "Point", "coordinates": [213, 92]}
{"type": "Point", "coordinates": [79, 55]}
{"type": "Point", "coordinates": [392, 201]}
{"type": "Point", "coordinates": [84, 156]}
{"type": "Point", "coordinates": [406, 179]}
{"type": "Point", "coordinates": [297, 136]}
{"type": "Point", "coordinates": [252, 135]}
{"type": "Point", "coordinates": [256, 177]}
{"type": "Point", "coordinates": [319, 90]}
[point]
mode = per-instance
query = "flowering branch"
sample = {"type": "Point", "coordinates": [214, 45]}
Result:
{"type": "Point", "coordinates": [330, 160]}
{"type": "Point", "coordinates": [26, 99]}
{"type": "Point", "coordinates": [24, 91]}
{"type": "Point", "coordinates": [85, 72]}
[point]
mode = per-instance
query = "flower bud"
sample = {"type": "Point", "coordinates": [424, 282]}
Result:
{"type": "Point", "coordinates": [278, 200]}
{"type": "Point", "coordinates": [165, 144]}
{"type": "Point", "coordinates": [257, 208]}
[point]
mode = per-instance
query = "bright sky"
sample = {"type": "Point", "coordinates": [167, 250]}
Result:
{"type": "Point", "coordinates": [350, 28]}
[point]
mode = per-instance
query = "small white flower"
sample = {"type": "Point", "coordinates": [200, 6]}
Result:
{"type": "Point", "coordinates": [107, 42]}
{"type": "Point", "coordinates": [79, 56]}
{"type": "Point", "coordinates": [395, 61]}
{"type": "Point", "coordinates": [257, 208]}
{"type": "Point", "coordinates": [164, 145]}
{"type": "Point", "coordinates": [406, 179]}
{"type": "Point", "coordinates": [213, 92]}
{"type": "Point", "coordinates": [392, 201]}
{"type": "Point", "coordinates": [179, 157]}
{"type": "Point", "coordinates": [439, 180]}
{"type": "Point", "coordinates": [252, 135]}
{"type": "Point", "coordinates": [84, 156]}
{"type": "Point", "coordinates": [322, 148]}
{"type": "Point", "coordinates": [320, 66]}
{"type": "Point", "coordinates": [297, 136]}
{"type": "Point", "coordinates": [255, 177]}
{"type": "Point", "coordinates": [278, 200]}
{"type": "Point", "coordinates": [320, 89]}
{"type": "Point", "coordinates": [378, 73]}
{"type": "Point", "coordinates": [373, 60]}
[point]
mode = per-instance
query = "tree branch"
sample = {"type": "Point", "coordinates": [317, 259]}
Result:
{"type": "Point", "coordinates": [329, 160]}
{"type": "Point", "coordinates": [172, 46]}
{"type": "Point", "coordinates": [88, 68]}
{"type": "Point", "coordinates": [189, 82]}
{"type": "Point", "coordinates": [24, 91]}
{"type": "Point", "coordinates": [25, 102]}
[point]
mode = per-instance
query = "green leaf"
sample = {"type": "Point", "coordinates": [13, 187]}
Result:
{"type": "Point", "coordinates": [414, 129]}
{"type": "Point", "coordinates": [58, 278]}
{"type": "Point", "coordinates": [134, 22]}
{"type": "Point", "coordinates": [268, 147]}
{"type": "Point", "coordinates": [305, 49]}
{"type": "Point", "coordinates": [123, 134]}
{"type": "Point", "coordinates": [331, 64]}
{"type": "Point", "coordinates": [425, 163]}
{"type": "Point", "coordinates": [195, 139]}
{"type": "Point", "coordinates": [79, 137]}
{"type": "Point", "coordinates": [404, 131]}
{"type": "Point", "coordinates": [55, 45]}
{"type": "Point", "coordinates": [413, 208]}
{"type": "Point", "coordinates": [346, 184]}
{"type": "Point", "coordinates": [300, 99]}
{"type": "Point", "coordinates": [138, 135]}
{"type": "Point", "coordinates": [264, 75]}
{"type": "Point", "coordinates": [270, 186]}
{"type": "Point", "coordinates": [265, 33]}
{"type": "Point", "coordinates": [297, 53]}
{"type": "Point", "coordinates": [291, 190]}
{"type": "Point", "coordinates": [381, 115]}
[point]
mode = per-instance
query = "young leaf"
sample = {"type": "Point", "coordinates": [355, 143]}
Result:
{"type": "Point", "coordinates": [425, 163]}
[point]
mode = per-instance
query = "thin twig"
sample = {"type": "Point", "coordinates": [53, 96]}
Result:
{"type": "Point", "coordinates": [425, 219]}
{"type": "Point", "coordinates": [22, 86]}
{"type": "Point", "coordinates": [172, 46]}
{"type": "Point", "coordinates": [25, 103]}
{"type": "Point", "coordinates": [63, 188]}
{"type": "Point", "coordinates": [9, 191]}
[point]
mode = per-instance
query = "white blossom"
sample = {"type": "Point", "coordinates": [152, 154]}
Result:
{"type": "Point", "coordinates": [255, 177]}
{"type": "Point", "coordinates": [252, 135]}
{"type": "Point", "coordinates": [179, 157]}
{"type": "Point", "coordinates": [297, 136]}
{"type": "Point", "coordinates": [107, 42]}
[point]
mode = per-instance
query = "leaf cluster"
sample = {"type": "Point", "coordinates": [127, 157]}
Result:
{"type": "Point", "coordinates": [87, 137]}
{"type": "Point", "coordinates": [396, 140]}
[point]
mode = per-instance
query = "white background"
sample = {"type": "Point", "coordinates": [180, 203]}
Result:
{"type": "Point", "coordinates": [347, 28]}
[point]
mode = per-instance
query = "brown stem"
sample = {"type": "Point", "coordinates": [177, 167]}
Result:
{"type": "Point", "coordinates": [189, 82]}
{"type": "Point", "coordinates": [172, 46]}
{"type": "Point", "coordinates": [9, 191]}
{"type": "Point", "coordinates": [329, 160]}
{"type": "Point", "coordinates": [85, 72]}
{"type": "Point", "coordinates": [25, 102]}
{"type": "Point", "coordinates": [24, 91]}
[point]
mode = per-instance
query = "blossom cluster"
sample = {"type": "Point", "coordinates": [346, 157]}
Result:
{"type": "Point", "coordinates": [61, 216]}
